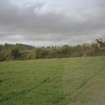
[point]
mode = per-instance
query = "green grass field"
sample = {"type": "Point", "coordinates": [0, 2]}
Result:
{"type": "Point", "coordinates": [74, 81]}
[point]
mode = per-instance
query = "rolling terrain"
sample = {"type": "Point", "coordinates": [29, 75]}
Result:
{"type": "Point", "coordinates": [68, 81]}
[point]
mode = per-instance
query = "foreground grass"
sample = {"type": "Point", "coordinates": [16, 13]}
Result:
{"type": "Point", "coordinates": [75, 81]}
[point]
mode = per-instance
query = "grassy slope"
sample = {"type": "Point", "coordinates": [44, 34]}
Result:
{"type": "Point", "coordinates": [75, 81]}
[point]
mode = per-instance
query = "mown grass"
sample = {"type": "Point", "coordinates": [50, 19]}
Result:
{"type": "Point", "coordinates": [74, 81]}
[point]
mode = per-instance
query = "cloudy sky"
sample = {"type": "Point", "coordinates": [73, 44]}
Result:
{"type": "Point", "coordinates": [50, 22]}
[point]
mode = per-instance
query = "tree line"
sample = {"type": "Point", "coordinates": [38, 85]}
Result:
{"type": "Point", "coordinates": [25, 52]}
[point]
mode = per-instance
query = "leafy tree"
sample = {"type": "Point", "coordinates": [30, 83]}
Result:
{"type": "Point", "coordinates": [16, 54]}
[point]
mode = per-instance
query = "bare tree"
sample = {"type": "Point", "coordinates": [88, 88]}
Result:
{"type": "Point", "coordinates": [101, 43]}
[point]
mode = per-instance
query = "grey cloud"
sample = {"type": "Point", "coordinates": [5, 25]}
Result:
{"type": "Point", "coordinates": [50, 26]}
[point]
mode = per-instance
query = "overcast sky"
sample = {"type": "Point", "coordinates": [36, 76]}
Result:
{"type": "Point", "coordinates": [50, 22]}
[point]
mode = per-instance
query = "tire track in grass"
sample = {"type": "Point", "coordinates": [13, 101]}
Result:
{"type": "Point", "coordinates": [83, 84]}
{"type": "Point", "coordinates": [15, 94]}
{"type": "Point", "coordinates": [88, 79]}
